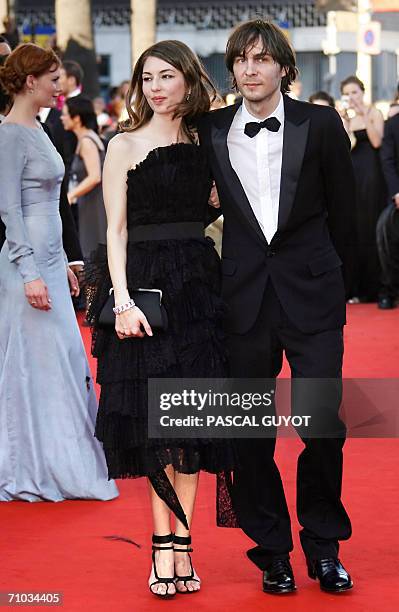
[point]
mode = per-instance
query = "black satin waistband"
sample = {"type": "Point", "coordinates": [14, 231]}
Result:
{"type": "Point", "coordinates": [166, 231]}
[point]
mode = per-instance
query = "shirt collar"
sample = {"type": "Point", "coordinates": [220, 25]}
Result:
{"type": "Point", "coordinates": [246, 116]}
{"type": "Point", "coordinates": [75, 92]}
{"type": "Point", "coordinates": [43, 114]}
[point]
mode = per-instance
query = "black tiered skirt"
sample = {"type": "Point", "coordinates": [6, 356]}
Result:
{"type": "Point", "coordinates": [188, 273]}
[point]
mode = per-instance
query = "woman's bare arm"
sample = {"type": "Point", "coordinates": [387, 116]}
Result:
{"type": "Point", "coordinates": [116, 165]}
{"type": "Point", "coordinates": [115, 170]}
{"type": "Point", "coordinates": [375, 127]}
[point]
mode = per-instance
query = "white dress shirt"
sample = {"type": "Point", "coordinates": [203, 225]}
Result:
{"type": "Point", "coordinates": [43, 114]}
{"type": "Point", "coordinates": [257, 163]}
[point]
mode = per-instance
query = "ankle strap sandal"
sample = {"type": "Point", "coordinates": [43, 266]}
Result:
{"type": "Point", "coordinates": [154, 578]}
{"type": "Point", "coordinates": [185, 541]}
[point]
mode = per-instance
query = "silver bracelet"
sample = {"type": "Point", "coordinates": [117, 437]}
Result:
{"type": "Point", "coordinates": [123, 307]}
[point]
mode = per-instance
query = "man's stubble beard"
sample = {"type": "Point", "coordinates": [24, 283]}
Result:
{"type": "Point", "coordinates": [259, 97]}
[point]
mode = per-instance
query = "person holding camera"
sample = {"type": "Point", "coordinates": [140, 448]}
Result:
{"type": "Point", "coordinates": [365, 126]}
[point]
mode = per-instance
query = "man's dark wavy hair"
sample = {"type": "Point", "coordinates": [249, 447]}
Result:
{"type": "Point", "coordinates": [274, 42]}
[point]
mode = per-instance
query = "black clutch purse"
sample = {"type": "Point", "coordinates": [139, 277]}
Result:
{"type": "Point", "coordinates": [148, 300]}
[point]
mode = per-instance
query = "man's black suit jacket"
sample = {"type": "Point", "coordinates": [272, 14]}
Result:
{"type": "Point", "coordinates": [315, 223]}
{"type": "Point", "coordinates": [54, 123]}
{"type": "Point", "coordinates": [389, 153]}
{"type": "Point", "coordinates": [64, 141]}
{"type": "Point", "coordinates": [70, 237]}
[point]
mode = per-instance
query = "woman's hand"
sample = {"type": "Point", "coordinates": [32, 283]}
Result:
{"type": "Point", "coordinates": [127, 324]}
{"type": "Point", "coordinates": [76, 269]}
{"type": "Point", "coordinates": [72, 199]}
{"type": "Point", "coordinates": [37, 294]}
{"type": "Point", "coordinates": [214, 197]}
{"type": "Point", "coordinates": [343, 112]}
{"type": "Point", "coordinates": [73, 282]}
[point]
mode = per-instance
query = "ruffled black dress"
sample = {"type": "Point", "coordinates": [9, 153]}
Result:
{"type": "Point", "coordinates": [171, 185]}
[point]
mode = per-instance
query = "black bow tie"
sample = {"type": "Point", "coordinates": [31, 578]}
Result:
{"type": "Point", "coordinates": [272, 124]}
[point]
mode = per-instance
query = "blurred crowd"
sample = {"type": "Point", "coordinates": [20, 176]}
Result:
{"type": "Point", "coordinates": [374, 276]}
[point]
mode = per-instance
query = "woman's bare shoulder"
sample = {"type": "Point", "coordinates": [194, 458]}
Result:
{"type": "Point", "coordinates": [121, 150]}
{"type": "Point", "coordinates": [122, 141]}
{"type": "Point", "coordinates": [128, 144]}
{"type": "Point", "coordinates": [375, 112]}
{"type": "Point", "coordinates": [132, 147]}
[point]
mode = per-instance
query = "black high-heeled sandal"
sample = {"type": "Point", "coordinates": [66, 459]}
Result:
{"type": "Point", "coordinates": [180, 541]}
{"type": "Point", "coordinates": [154, 578]}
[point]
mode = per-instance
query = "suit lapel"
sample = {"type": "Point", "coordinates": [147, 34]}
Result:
{"type": "Point", "coordinates": [296, 128]}
{"type": "Point", "coordinates": [219, 133]}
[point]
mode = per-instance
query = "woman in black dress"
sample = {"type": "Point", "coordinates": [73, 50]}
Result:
{"type": "Point", "coordinates": [365, 126]}
{"type": "Point", "coordinates": [155, 174]}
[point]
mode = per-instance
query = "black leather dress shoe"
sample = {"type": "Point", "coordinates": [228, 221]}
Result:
{"type": "Point", "coordinates": [278, 578]}
{"type": "Point", "coordinates": [386, 303]}
{"type": "Point", "coordinates": [331, 574]}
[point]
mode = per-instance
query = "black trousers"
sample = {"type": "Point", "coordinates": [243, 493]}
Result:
{"type": "Point", "coordinates": [258, 493]}
{"type": "Point", "coordinates": [388, 251]}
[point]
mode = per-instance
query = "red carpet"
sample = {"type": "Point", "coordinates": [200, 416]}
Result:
{"type": "Point", "coordinates": [61, 547]}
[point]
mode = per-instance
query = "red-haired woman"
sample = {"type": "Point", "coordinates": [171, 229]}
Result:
{"type": "Point", "coordinates": [47, 401]}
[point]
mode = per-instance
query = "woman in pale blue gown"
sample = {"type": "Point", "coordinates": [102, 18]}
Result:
{"type": "Point", "coordinates": [47, 401]}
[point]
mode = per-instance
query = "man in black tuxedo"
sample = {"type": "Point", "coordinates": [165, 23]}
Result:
{"type": "Point", "coordinates": [285, 181]}
{"type": "Point", "coordinates": [388, 223]}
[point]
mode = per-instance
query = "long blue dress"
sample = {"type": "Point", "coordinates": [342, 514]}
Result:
{"type": "Point", "coordinates": [47, 401]}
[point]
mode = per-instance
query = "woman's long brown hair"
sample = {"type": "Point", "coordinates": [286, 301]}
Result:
{"type": "Point", "coordinates": [198, 83]}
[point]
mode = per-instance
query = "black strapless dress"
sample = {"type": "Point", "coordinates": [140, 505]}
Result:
{"type": "Point", "coordinates": [370, 201]}
{"type": "Point", "coordinates": [171, 185]}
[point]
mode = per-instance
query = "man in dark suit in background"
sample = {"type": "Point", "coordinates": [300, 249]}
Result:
{"type": "Point", "coordinates": [388, 223]}
{"type": "Point", "coordinates": [71, 77]}
{"type": "Point", "coordinates": [285, 181]}
{"type": "Point", "coordinates": [65, 142]}
{"type": "Point", "coordinates": [52, 118]}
